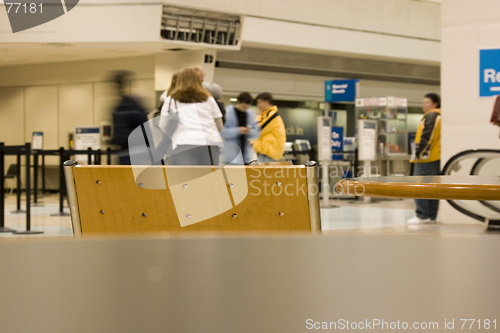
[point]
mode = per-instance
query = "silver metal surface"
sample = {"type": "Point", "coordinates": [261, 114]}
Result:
{"type": "Point", "coordinates": [245, 284]}
{"type": "Point", "coordinates": [313, 196]}
{"type": "Point", "coordinates": [72, 198]}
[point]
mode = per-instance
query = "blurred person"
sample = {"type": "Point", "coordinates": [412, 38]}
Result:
{"type": "Point", "coordinates": [196, 140]}
{"type": "Point", "coordinates": [427, 155]}
{"type": "Point", "coordinates": [200, 73]}
{"type": "Point", "coordinates": [216, 91]}
{"type": "Point", "coordinates": [166, 93]}
{"type": "Point", "coordinates": [239, 128]}
{"type": "Point", "coordinates": [127, 115]}
{"type": "Point", "coordinates": [270, 146]}
{"type": "Point", "coordinates": [173, 82]}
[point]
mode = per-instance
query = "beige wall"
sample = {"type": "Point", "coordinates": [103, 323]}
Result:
{"type": "Point", "coordinates": [468, 25]}
{"type": "Point", "coordinates": [168, 64]}
{"type": "Point", "coordinates": [55, 98]}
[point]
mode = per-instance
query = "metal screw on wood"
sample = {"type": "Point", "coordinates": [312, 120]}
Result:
{"type": "Point", "coordinates": [144, 215]}
{"type": "Point", "coordinates": [188, 216]}
{"type": "Point", "coordinates": [102, 212]}
{"type": "Point", "coordinates": [281, 213]}
{"type": "Point", "coordinates": [141, 185]}
{"type": "Point", "coordinates": [234, 216]}
{"type": "Point", "coordinates": [98, 182]}
{"type": "Point", "coordinates": [278, 183]}
{"type": "Point", "coordinates": [231, 185]}
{"type": "Point", "coordinates": [185, 186]}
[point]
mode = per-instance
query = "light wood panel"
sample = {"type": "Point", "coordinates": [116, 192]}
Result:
{"type": "Point", "coordinates": [42, 116]}
{"type": "Point", "coordinates": [12, 116]}
{"type": "Point", "coordinates": [145, 90]}
{"type": "Point", "coordinates": [105, 99]}
{"type": "Point", "coordinates": [75, 109]}
{"type": "Point", "coordinates": [271, 190]}
{"type": "Point", "coordinates": [12, 119]}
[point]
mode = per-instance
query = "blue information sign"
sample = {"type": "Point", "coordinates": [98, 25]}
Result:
{"type": "Point", "coordinates": [340, 90]}
{"type": "Point", "coordinates": [489, 72]}
{"type": "Point", "coordinates": [337, 142]}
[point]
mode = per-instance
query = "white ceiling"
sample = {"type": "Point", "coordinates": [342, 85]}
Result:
{"type": "Point", "coordinates": [12, 54]}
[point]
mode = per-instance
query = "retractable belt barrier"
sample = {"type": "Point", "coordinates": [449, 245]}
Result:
{"type": "Point", "coordinates": [26, 150]}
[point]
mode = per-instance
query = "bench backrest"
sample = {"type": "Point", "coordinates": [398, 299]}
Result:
{"type": "Point", "coordinates": [135, 199]}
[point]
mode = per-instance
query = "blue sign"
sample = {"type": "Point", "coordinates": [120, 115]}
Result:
{"type": "Point", "coordinates": [489, 72]}
{"type": "Point", "coordinates": [340, 90]}
{"type": "Point", "coordinates": [337, 142]}
{"type": "Point", "coordinates": [87, 130]}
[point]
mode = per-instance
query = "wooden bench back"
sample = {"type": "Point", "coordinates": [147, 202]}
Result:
{"type": "Point", "coordinates": [132, 200]}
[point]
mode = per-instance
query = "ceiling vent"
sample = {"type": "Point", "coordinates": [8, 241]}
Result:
{"type": "Point", "coordinates": [196, 26]}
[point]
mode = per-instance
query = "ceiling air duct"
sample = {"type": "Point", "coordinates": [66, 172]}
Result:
{"type": "Point", "coordinates": [197, 26]}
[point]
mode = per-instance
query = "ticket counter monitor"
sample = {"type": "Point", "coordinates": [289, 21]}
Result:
{"type": "Point", "coordinates": [154, 199]}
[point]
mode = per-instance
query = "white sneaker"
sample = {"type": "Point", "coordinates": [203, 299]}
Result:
{"type": "Point", "coordinates": [417, 220]}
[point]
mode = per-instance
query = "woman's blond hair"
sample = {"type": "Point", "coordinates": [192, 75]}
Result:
{"type": "Point", "coordinates": [188, 88]}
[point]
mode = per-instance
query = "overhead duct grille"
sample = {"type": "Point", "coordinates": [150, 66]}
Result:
{"type": "Point", "coordinates": [187, 25]}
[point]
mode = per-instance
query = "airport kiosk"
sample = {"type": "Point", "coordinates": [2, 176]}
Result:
{"type": "Point", "coordinates": [391, 116]}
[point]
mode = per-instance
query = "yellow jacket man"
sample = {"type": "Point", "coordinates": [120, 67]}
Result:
{"type": "Point", "coordinates": [427, 155]}
{"type": "Point", "coordinates": [270, 146]}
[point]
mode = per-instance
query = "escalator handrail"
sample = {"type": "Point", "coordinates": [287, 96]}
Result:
{"type": "Point", "coordinates": [448, 168]}
{"type": "Point", "coordinates": [474, 172]}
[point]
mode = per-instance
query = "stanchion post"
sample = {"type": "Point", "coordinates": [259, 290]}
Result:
{"type": "Point", "coordinates": [61, 184]}
{"type": "Point", "coordinates": [35, 178]}
{"type": "Point", "coordinates": [43, 172]}
{"type": "Point", "coordinates": [89, 156]}
{"type": "Point", "coordinates": [108, 155]}
{"type": "Point", "coordinates": [18, 186]}
{"type": "Point", "coordinates": [97, 157]}
{"type": "Point", "coordinates": [28, 230]}
{"type": "Point", "coordinates": [2, 188]}
{"type": "Point", "coordinates": [356, 166]}
{"type": "Point", "coordinates": [356, 163]}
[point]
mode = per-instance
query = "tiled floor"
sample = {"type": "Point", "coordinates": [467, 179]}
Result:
{"type": "Point", "coordinates": [41, 219]}
{"type": "Point", "coordinates": [379, 217]}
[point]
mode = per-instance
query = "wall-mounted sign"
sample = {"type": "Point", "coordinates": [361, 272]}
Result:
{"type": "Point", "coordinates": [37, 141]}
{"type": "Point", "coordinates": [341, 90]}
{"type": "Point", "coordinates": [489, 72]}
{"type": "Point", "coordinates": [86, 137]}
{"type": "Point", "coordinates": [337, 142]}
{"type": "Point", "coordinates": [324, 138]}
{"type": "Point", "coordinates": [367, 131]}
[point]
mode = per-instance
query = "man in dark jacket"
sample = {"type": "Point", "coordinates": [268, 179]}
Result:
{"type": "Point", "coordinates": [127, 116]}
{"type": "Point", "coordinates": [427, 155]}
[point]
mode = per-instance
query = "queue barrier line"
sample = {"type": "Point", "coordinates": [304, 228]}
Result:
{"type": "Point", "coordinates": [26, 151]}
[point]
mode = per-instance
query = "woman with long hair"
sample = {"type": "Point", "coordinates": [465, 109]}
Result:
{"type": "Point", "coordinates": [173, 83]}
{"type": "Point", "coordinates": [196, 139]}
